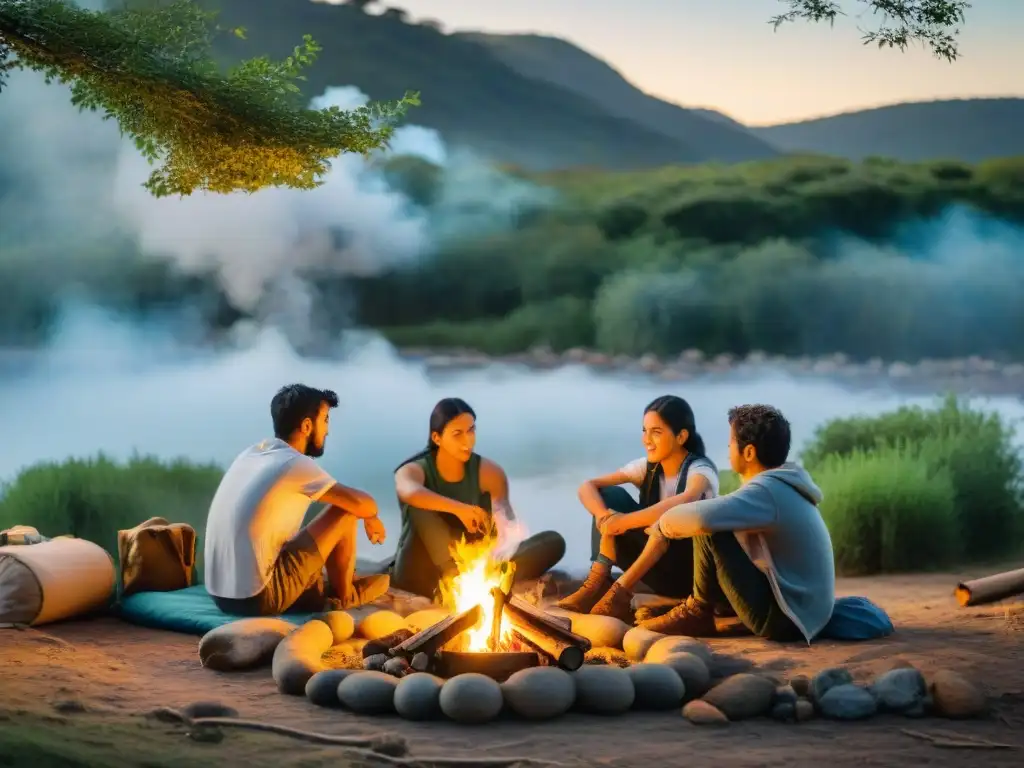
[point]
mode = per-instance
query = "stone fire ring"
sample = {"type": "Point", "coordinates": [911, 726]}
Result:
{"type": "Point", "coordinates": [663, 673]}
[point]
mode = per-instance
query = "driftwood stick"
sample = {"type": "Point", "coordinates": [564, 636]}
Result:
{"type": "Point", "coordinates": [563, 621]}
{"type": "Point", "coordinates": [990, 588]}
{"type": "Point", "coordinates": [956, 741]}
{"type": "Point", "coordinates": [565, 647]}
{"type": "Point", "coordinates": [431, 639]}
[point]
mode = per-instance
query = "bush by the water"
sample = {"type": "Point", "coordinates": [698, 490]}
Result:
{"type": "Point", "coordinates": [95, 498]}
{"type": "Point", "coordinates": [799, 255]}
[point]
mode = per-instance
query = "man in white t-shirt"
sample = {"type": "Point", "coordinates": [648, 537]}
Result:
{"type": "Point", "coordinates": [259, 559]}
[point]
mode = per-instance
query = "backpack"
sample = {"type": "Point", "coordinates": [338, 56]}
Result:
{"type": "Point", "coordinates": [857, 618]}
{"type": "Point", "coordinates": [156, 556]}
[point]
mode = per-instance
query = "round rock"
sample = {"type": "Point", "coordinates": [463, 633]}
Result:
{"type": "Point", "coordinates": [900, 690]}
{"type": "Point", "coordinates": [368, 693]}
{"type": "Point", "coordinates": [657, 686]}
{"type": "Point", "coordinates": [322, 688]}
{"type": "Point", "coordinates": [471, 698]}
{"type": "Point", "coordinates": [539, 693]}
{"type": "Point", "coordinates": [692, 671]}
{"type": "Point", "coordinates": [829, 678]}
{"type": "Point", "coordinates": [669, 645]}
{"type": "Point", "coordinates": [637, 641]}
{"type": "Point", "coordinates": [701, 713]}
{"type": "Point", "coordinates": [428, 617]}
{"type": "Point", "coordinates": [603, 689]}
{"type": "Point", "coordinates": [601, 631]}
{"type": "Point", "coordinates": [742, 696]}
{"type": "Point", "coordinates": [847, 702]}
{"type": "Point", "coordinates": [956, 697]}
{"type": "Point", "coordinates": [417, 696]}
{"type": "Point", "coordinates": [341, 623]}
{"type": "Point", "coordinates": [804, 710]}
{"type": "Point", "coordinates": [801, 684]}
{"type": "Point", "coordinates": [376, 662]}
{"type": "Point", "coordinates": [379, 624]}
{"type": "Point", "coordinates": [299, 656]}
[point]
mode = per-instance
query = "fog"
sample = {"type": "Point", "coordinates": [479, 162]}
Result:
{"type": "Point", "coordinates": [112, 387]}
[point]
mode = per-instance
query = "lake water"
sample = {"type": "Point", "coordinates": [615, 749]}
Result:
{"type": "Point", "coordinates": [116, 389]}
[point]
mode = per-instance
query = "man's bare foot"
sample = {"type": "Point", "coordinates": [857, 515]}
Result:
{"type": "Point", "coordinates": [364, 589]}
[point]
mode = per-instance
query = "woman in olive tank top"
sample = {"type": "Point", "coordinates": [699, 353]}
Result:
{"type": "Point", "coordinates": [448, 491]}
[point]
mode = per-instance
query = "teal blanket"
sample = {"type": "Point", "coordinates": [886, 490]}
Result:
{"type": "Point", "coordinates": [190, 611]}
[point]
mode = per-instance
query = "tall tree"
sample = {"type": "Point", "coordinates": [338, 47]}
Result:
{"type": "Point", "coordinates": [933, 23]}
{"type": "Point", "coordinates": [150, 67]}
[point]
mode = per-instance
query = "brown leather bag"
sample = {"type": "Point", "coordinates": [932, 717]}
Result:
{"type": "Point", "coordinates": [157, 556]}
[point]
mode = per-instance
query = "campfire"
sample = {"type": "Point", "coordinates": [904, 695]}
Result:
{"type": "Point", "coordinates": [490, 631]}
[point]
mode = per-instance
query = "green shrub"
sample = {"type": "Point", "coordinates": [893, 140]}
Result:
{"type": "Point", "coordinates": [887, 511]}
{"type": "Point", "coordinates": [972, 448]}
{"type": "Point", "coordinates": [95, 498]}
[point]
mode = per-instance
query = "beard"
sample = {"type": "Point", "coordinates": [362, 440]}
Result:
{"type": "Point", "coordinates": [314, 449]}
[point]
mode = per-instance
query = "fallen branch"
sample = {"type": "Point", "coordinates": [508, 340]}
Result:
{"type": "Point", "coordinates": [959, 742]}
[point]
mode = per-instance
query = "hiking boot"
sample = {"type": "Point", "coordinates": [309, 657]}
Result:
{"type": "Point", "coordinates": [691, 618]}
{"type": "Point", "coordinates": [648, 612]}
{"type": "Point", "coordinates": [364, 589]}
{"type": "Point", "coordinates": [617, 603]}
{"type": "Point", "coordinates": [597, 583]}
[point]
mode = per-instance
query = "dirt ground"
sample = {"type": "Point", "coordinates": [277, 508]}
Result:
{"type": "Point", "coordinates": [76, 677]}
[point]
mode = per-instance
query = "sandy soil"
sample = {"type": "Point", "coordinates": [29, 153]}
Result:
{"type": "Point", "coordinates": [119, 670]}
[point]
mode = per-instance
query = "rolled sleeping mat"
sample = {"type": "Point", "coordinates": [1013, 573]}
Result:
{"type": "Point", "coordinates": [53, 580]}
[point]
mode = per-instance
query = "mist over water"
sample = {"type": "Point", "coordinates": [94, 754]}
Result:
{"type": "Point", "coordinates": [109, 386]}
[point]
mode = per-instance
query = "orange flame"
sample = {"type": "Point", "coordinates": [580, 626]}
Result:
{"type": "Point", "coordinates": [478, 572]}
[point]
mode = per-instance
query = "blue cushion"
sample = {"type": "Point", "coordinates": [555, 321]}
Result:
{"type": "Point", "coordinates": [190, 611]}
{"type": "Point", "coordinates": [857, 618]}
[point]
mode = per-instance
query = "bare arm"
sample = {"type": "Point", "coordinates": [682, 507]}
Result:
{"type": "Point", "coordinates": [590, 492]}
{"type": "Point", "coordinates": [352, 500]}
{"type": "Point", "coordinates": [494, 481]}
{"type": "Point", "coordinates": [409, 481]}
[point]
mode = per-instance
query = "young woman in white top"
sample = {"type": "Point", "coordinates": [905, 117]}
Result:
{"type": "Point", "coordinates": [674, 471]}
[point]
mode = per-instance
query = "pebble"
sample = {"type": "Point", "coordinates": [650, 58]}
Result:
{"type": "Point", "coordinates": [804, 711]}
{"type": "Point", "coordinates": [379, 624]}
{"type": "Point", "coordinates": [829, 678]}
{"type": "Point", "coordinates": [368, 693]}
{"type": "Point", "coordinates": [299, 656]}
{"type": "Point", "coordinates": [955, 697]}
{"type": "Point", "coordinates": [847, 702]}
{"type": "Point", "coordinates": [601, 631]}
{"type": "Point", "coordinates": [398, 667]}
{"type": "Point", "coordinates": [540, 693]}
{"type": "Point", "coordinates": [471, 698]}
{"type": "Point", "coordinates": [603, 690]}
{"type": "Point", "coordinates": [900, 690]}
{"type": "Point", "coordinates": [420, 662]}
{"type": "Point", "coordinates": [692, 671]}
{"type": "Point", "coordinates": [801, 684]}
{"type": "Point", "coordinates": [784, 711]}
{"type": "Point", "coordinates": [785, 694]}
{"type": "Point", "coordinates": [638, 641]}
{"type": "Point", "coordinates": [417, 696]}
{"type": "Point", "coordinates": [199, 709]}
{"type": "Point", "coordinates": [742, 696]}
{"type": "Point", "coordinates": [657, 686]}
{"type": "Point", "coordinates": [386, 643]}
{"type": "Point", "coordinates": [701, 713]}
{"type": "Point", "coordinates": [322, 688]}
{"type": "Point", "coordinates": [669, 645]}
{"type": "Point", "coordinates": [376, 662]}
{"type": "Point", "coordinates": [341, 623]}
{"type": "Point", "coordinates": [420, 620]}
{"type": "Point", "coordinates": [242, 644]}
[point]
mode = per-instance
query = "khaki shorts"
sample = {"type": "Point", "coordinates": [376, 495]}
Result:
{"type": "Point", "coordinates": [296, 583]}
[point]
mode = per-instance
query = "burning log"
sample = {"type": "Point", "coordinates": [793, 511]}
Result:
{"type": "Point", "coordinates": [434, 637]}
{"type": "Point", "coordinates": [990, 588]}
{"type": "Point", "coordinates": [500, 595]}
{"type": "Point", "coordinates": [546, 633]}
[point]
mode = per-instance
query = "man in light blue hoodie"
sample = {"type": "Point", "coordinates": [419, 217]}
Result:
{"type": "Point", "coordinates": [763, 549]}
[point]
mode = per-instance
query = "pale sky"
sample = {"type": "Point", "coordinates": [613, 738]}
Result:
{"type": "Point", "coordinates": [723, 54]}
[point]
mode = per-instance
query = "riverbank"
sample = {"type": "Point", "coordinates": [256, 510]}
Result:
{"type": "Point", "coordinates": [968, 376]}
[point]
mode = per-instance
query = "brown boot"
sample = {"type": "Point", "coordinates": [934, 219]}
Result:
{"type": "Point", "coordinates": [597, 583]}
{"type": "Point", "coordinates": [691, 618]}
{"type": "Point", "coordinates": [617, 603]}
